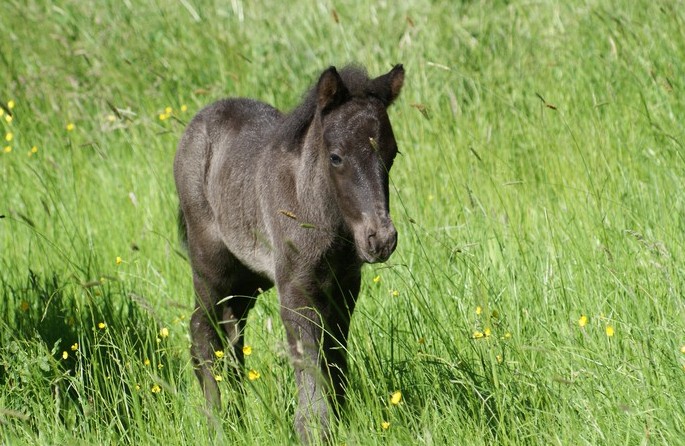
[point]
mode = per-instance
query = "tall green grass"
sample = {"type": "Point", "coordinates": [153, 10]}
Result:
{"type": "Point", "coordinates": [539, 182]}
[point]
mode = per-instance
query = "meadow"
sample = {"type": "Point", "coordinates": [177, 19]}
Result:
{"type": "Point", "coordinates": [535, 297]}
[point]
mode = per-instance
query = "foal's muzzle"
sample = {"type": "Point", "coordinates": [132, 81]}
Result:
{"type": "Point", "coordinates": [378, 241]}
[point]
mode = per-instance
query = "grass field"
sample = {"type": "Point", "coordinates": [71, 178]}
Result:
{"type": "Point", "coordinates": [537, 292]}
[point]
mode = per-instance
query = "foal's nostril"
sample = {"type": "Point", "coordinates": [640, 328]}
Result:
{"type": "Point", "coordinates": [372, 240]}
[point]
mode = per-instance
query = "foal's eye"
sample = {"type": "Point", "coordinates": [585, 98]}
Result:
{"type": "Point", "coordinates": [336, 160]}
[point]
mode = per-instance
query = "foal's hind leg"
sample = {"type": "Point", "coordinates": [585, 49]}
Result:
{"type": "Point", "coordinates": [206, 338]}
{"type": "Point", "coordinates": [225, 292]}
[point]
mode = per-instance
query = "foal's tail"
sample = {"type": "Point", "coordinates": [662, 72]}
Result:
{"type": "Point", "coordinates": [182, 229]}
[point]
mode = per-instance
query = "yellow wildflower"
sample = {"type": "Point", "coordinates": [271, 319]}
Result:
{"type": "Point", "coordinates": [253, 375]}
{"type": "Point", "coordinates": [376, 279]}
{"type": "Point", "coordinates": [395, 398]}
{"type": "Point", "coordinates": [610, 330]}
{"type": "Point", "coordinates": [184, 108]}
{"type": "Point", "coordinates": [582, 321]}
{"type": "Point", "coordinates": [682, 349]}
{"type": "Point", "coordinates": [70, 126]}
{"type": "Point", "coordinates": [2, 111]}
{"type": "Point", "coordinates": [499, 359]}
{"type": "Point", "coordinates": [74, 346]}
{"type": "Point", "coordinates": [385, 425]}
{"type": "Point", "coordinates": [102, 325]}
{"type": "Point", "coordinates": [507, 335]}
{"type": "Point", "coordinates": [9, 119]}
{"type": "Point", "coordinates": [7, 149]}
{"type": "Point", "coordinates": [164, 332]}
{"type": "Point", "coordinates": [168, 110]}
{"type": "Point", "coordinates": [9, 136]}
{"type": "Point", "coordinates": [10, 104]}
{"type": "Point", "coordinates": [477, 334]}
{"type": "Point", "coordinates": [218, 378]}
{"type": "Point", "coordinates": [65, 355]}
{"type": "Point", "coordinates": [219, 354]}
{"type": "Point", "coordinates": [156, 389]}
{"type": "Point", "coordinates": [111, 118]}
{"type": "Point", "coordinates": [479, 310]}
{"type": "Point", "coordinates": [395, 293]}
{"type": "Point", "coordinates": [160, 366]}
{"type": "Point", "coordinates": [487, 332]}
{"type": "Point", "coordinates": [118, 260]}
{"type": "Point", "coordinates": [247, 350]}
{"type": "Point", "coordinates": [146, 362]}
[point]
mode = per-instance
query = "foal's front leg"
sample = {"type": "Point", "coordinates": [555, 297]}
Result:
{"type": "Point", "coordinates": [304, 331]}
{"type": "Point", "coordinates": [317, 327]}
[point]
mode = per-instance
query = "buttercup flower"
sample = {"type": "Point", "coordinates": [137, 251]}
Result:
{"type": "Point", "coordinates": [609, 330]}
{"type": "Point", "coordinates": [65, 355]}
{"type": "Point", "coordinates": [395, 398]}
{"type": "Point", "coordinates": [102, 325]}
{"type": "Point", "coordinates": [219, 354]}
{"type": "Point", "coordinates": [74, 347]}
{"type": "Point", "coordinates": [582, 321]}
{"type": "Point", "coordinates": [156, 389]}
{"type": "Point", "coordinates": [376, 279]}
{"type": "Point", "coordinates": [253, 375]}
{"type": "Point", "coordinates": [385, 425]}
{"type": "Point", "coordinates": [70, 126]}
{"type": "Point", "coordinates": [164, 332]}
{"type": "Point", "coordinates": [247, 350]}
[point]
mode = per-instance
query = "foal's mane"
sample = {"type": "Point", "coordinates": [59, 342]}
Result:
{"type": "Point", "coordinates": [294, 126]}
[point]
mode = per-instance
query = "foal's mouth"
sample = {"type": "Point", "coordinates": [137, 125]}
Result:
{"type": "Point", "coordinates": [377, 250]}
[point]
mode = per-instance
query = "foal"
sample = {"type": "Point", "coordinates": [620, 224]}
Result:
{"type": "Point", "coordinates": [299, 201]}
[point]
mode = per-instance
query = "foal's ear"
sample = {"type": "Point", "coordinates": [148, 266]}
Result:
{"type": "Point", "coordinates": [330, 90]}
{"type": "Point", "coordinates": [387, 87]}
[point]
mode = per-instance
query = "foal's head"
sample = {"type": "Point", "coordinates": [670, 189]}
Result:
{"type": "Point", "coordinates": [359, 145]}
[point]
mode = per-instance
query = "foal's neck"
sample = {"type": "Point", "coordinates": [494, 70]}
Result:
{"type": "Point", "coordinates": [315, 193]}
